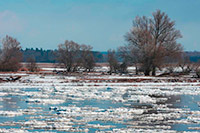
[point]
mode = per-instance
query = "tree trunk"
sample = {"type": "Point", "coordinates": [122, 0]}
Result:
{"type": "Point", "coordinates": [147, 72]}
{"type": "Point", "coordinates": [68, 69]}
{"type": "Point", "coordinates": [154, 71]}
{"type": "Point", "coordinates": [136, 70]}
{"type": "Point", "coordinates": [110, 72]}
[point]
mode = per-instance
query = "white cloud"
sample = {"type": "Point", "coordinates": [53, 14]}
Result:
{"type": "Point", "coordinates": [10, 23]}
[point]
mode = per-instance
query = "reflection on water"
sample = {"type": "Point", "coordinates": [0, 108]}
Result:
{"type": "Point", "coordinates": [11, 103]}
{"type": "Point", "coordinates": [188, 101]}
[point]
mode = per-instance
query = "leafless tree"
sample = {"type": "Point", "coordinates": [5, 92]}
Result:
{"type": "Point", "coordinates": [10, 55]}
{"type": "Point", "coordinates": [154, 38]}
{"type": "Point", "coordinates": [87, 58]}
{"type": "Point", "coordinates": [31, 64]}
{"type": "Point", "coordinates": [112, 60]}
{"type": "Point", "coordinates": [130, 56]}
{"type": "Point", "coordinates": [185, 64]}
{"type": "Point", "coordinates": [69, 55]}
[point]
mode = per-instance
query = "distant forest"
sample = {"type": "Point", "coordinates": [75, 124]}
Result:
{"type": "Point", "coordinates": [50, 56]}
{"type": "Point", "coordinates": [194, 56]}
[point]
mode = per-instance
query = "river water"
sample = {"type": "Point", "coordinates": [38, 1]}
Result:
{"type": "Point", "coordinates": [52, 110]}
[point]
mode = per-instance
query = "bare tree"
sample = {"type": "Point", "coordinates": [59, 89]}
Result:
{"type": "Point", "coordinates": [31, 64]}
{"type": "Point", "coordinates": [154, 38]}
{"type": "Point", "coordinates": [112, 60]}
{"type": "Point", "coordinates": [87, 58]}
{"type": "Point", "coordinates": [10, 55]}
{"type": "Point", "coordinates": [69, 55]}
{"type": "Point", "coordinates": [129, 55]}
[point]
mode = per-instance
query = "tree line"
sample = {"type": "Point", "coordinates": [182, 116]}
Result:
{"type": "Point", "coordinates": [151, 44]}
{"type": "Point", "coordinates": [49, 56]}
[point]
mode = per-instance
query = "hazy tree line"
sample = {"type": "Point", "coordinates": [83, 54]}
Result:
{"type": "Point", "coordinates": [39, 55]}
{"type": "Point", "coordinates": [151, 45]}
{"type": "Point", "coordinates": [49, 56]}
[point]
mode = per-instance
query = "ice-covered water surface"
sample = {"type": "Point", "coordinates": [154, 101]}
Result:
{"type": "Point", "coordinates": [61, 104]}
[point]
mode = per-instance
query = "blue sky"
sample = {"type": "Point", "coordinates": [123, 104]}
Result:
{"type": "Point", "coordinates": [99, 23]}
